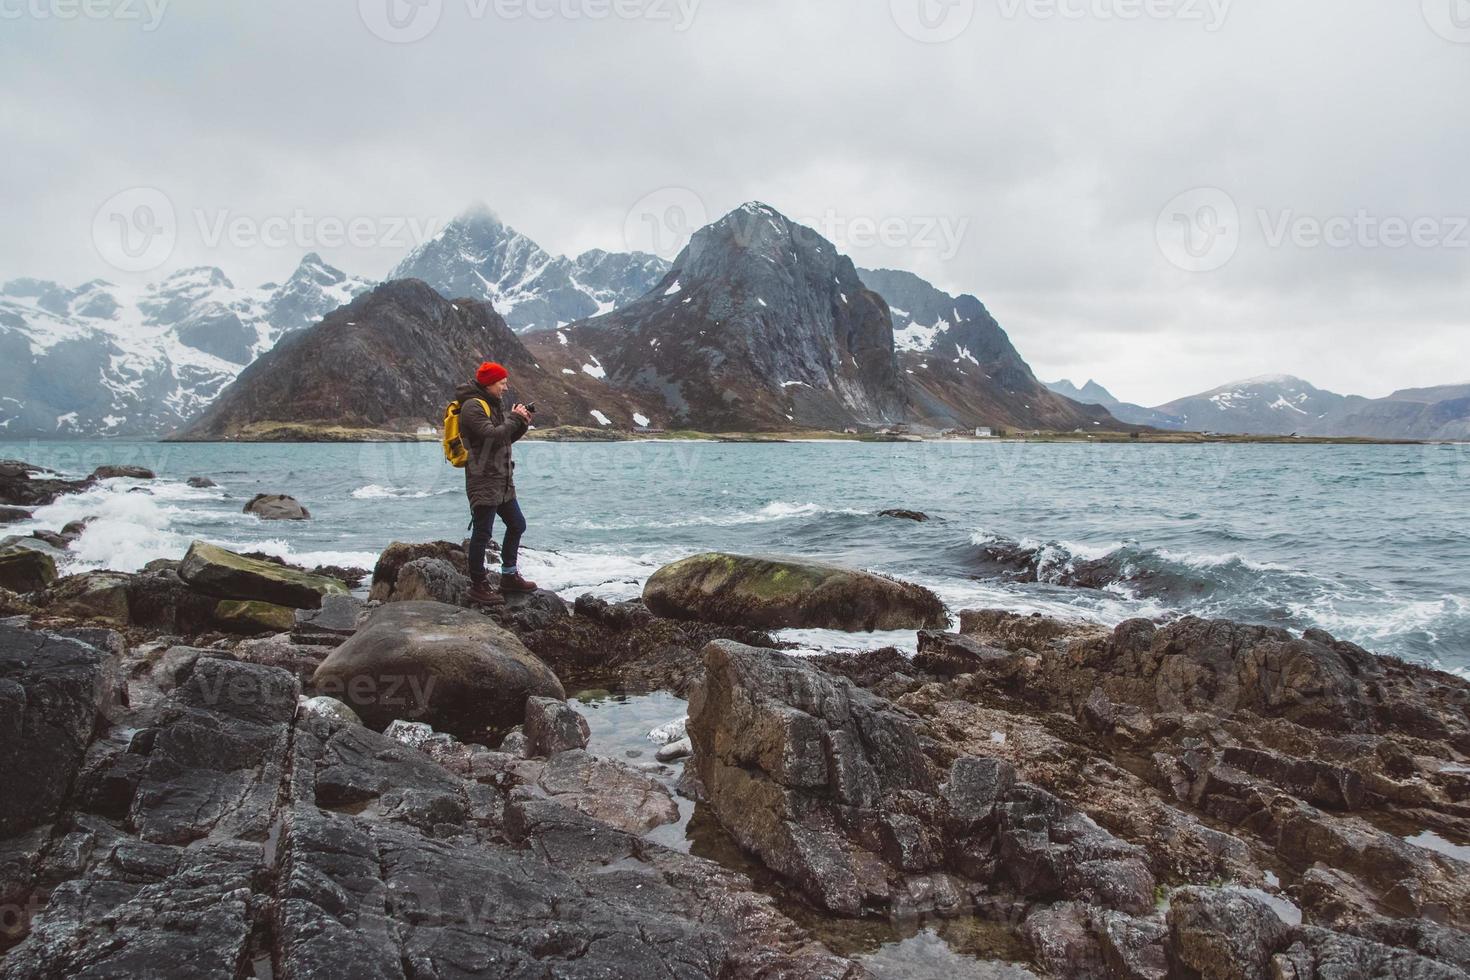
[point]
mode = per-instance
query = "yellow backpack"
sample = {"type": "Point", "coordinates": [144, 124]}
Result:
{"type": "Point", "coordinates": [455, 451]}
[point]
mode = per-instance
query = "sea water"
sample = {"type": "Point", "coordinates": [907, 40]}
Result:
{"type": "Point", "coordinates": [1365, 541]}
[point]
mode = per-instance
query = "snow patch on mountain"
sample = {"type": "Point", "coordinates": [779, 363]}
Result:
{"type": "Point", "coordinates": [479, 256]}
{"type": "Point", "coordinates": [109, 359]}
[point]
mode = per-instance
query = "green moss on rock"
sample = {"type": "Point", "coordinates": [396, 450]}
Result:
{"type": "Point", "coordinates": [26, 570]}
{"type": "Point", "coordinates": [253, 616]}
{"type": "Point", "coordinates": [226, 575]}
{"type": "Point", "coordinates": [773, 593]}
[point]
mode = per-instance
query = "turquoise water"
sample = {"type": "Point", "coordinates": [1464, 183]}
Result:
{"type": "Point", "coordinates": [1368, 542]}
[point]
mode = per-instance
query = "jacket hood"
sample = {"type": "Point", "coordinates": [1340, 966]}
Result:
{"type": "Point", "coordinates": [472, 390]}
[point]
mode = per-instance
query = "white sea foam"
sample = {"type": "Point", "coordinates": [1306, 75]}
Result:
{"type": "Point", "coordinates": [375, 492]}
{"type": "Point", "coordinates": [614, 577]}
{"type": "Point", "coordinates": [813, 642]}
{"type": "Point", "coordinates": [776, 511]}
{"type": "Point", "coordinates": [277, 548]}
{"type": "Point", "coordinates": [127, 531]}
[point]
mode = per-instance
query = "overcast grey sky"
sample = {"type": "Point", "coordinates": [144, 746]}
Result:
{"type": "Point", "coordinates": [1161, 194]}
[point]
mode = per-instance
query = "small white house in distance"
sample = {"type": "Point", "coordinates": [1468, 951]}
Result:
{"type": "Point", "coordinates": [983, 432]}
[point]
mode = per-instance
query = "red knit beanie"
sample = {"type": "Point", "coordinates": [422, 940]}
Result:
{"type": "Point", "coordinates": [490, 372]}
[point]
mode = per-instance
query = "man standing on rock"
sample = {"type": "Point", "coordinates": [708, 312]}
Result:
{"type": "Point", "coordinates": [489, 478]}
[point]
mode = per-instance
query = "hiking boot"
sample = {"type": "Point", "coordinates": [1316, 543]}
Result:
{"type": "Point", "coordinates": [515, 583]}
{"type": "Point", "coordinates": [481, 592]}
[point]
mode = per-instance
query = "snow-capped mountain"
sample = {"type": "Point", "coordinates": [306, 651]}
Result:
{"type": "Point", "coordinates": [1093, 393]}
{"type": "Point", "coordinates": [761, 323]}
{"type": "Point", "coordinates": [105, 359]}
{"type": "Point", "coordinates": [960, 366]}
{"type": "Point", "coordinates": [1273, 404]}
{"type": "Point", "coordinates": [479, 257]}
{"type": "Point", "coordinates": [417, 347]}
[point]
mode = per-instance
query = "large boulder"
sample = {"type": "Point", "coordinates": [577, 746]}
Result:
{"type": "Point", "coordinates": [226, 575]}
{"type": "Point", "coordinates": [277, 507]}
{"type": "Point", "coordinates": [432, 579]}
{"type": "Point", "coordinates": [26, 569]}
{"type": "Point", "coordinates": [1225, 668]}
{"type": "Point", "coordinates": [53, 693]}
{"type": "Point", "coordinates": [772, 593]}
{"type": "Point", "coordinates": [160, 600]}
{"type": "Point", "coordinates": [12, 515]}
{"type": "Point", "coordinates": [1224, 935]}
{"type": "Point", "coordinates": [34, 486]}
{"type": "Point", "coordinates": [609, 791]}
{"type": "Point", "coordinates": [129, 472]}
{"type": "Point", "coordinates": [832, 787]}
{"type": "Point", "coordinates": [400, 553]}
{"type": "Point", "coordinates": [93, 596]}
{"type": "Point", "coordinates": [554, 726]}
{"type": "Point", "coordinates": [436, 663]}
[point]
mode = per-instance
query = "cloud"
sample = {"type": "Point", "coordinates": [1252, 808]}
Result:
{"type": "Point", "coordinates": [1050, 132]}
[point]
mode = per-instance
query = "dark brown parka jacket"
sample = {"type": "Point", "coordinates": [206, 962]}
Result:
{"type": "Point", "coordinates": [489, 476]}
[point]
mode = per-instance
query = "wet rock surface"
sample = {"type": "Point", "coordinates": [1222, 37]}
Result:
{"type": "Point", "coordinates": [215, 571]}
{"type": "Point", "coordinates": [428, 661]}
{"type": "Point", "coordinates": [112, 472]}
{"type": "Point", "coordinates": [400, 553]}
{"type": "Point", "coordinates": [832, 787]}
{"type": "Point", "coordinates": [241, 831]}
{"type": "Point", "coordinates": [431, 579]}
{"type": "Point", "coordinates": [24, 485]}
{"type": "Point", "coordinates": [26, 569]}
{"type": "Point", "coordinates": [276, 507]}
{"type": "Point", "coordinates": [1191, 799]}
{"type": "Point", "coordinates": [554, 726]}
{"type": "Point", "coordinates": [779, 592]}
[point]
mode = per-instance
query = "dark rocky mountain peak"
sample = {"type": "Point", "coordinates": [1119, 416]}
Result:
{"type": "Point", "coordinates": [759, 323]}
{"type": "Point", "coordinates": [477, 255]}
{"type": "Point", "coordinates": [390, 360]}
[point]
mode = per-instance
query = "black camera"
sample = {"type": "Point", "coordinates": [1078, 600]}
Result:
{"type": "Point", "coordinates": [531, 407]}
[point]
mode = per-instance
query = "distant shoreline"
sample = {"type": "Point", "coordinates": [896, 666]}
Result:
{"type": "Point", "coordinates": [300, 433]}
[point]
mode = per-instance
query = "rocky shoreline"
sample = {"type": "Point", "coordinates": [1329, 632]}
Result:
{"type": "Point", "coordinates": [1022, 797]}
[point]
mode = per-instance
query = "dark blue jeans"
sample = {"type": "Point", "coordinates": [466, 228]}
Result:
{"type": "Point", "coordinates": [480, 527]}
